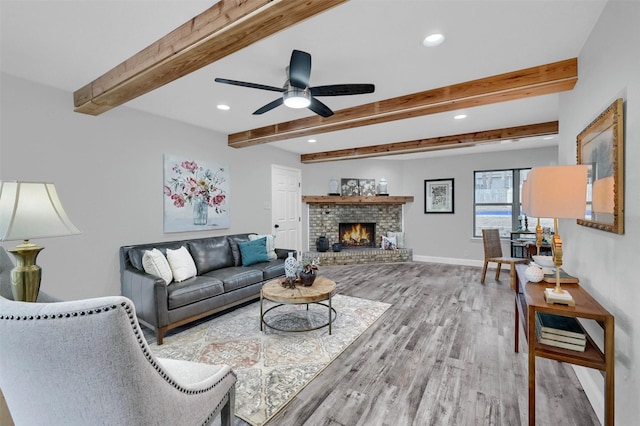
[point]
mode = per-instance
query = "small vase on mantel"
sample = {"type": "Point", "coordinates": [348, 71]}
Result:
{"type": "Point", "coordinates": [334, 186]}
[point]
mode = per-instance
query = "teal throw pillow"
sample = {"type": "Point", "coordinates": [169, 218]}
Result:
{"type": "Point", "coordinates": [253, 251]}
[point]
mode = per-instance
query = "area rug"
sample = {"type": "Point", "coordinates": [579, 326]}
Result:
{"type": "Point", "coordinates": [272, 366]}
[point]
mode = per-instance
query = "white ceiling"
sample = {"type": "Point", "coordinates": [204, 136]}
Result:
{"type": "Point", "coordinates": [67, 44]}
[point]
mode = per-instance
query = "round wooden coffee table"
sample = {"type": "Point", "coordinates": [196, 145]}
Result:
{"type": "Point", "coordinates": [322, 290]}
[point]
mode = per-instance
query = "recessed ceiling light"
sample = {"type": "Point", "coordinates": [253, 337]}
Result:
{"type": "Point", "coordinates": [224, 107]}
{"type": "Point", "coordinates": [312, 141]}
{"type": "Point", "coordinates": [546, 138]}
{"type": "Point", "coordinates": [460, 116]}
{"type": "Point", "coordinates": [433, 40]}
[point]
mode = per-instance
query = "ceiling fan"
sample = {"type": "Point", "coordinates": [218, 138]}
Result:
{"type": "Point", "coordinates": [296, 92]}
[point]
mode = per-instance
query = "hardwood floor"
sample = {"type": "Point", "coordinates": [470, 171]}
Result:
{"type": "Point", "coordinates": [441, 355]}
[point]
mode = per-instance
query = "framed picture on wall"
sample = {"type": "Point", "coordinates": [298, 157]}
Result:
{"type": "Point", "coordinates": [196, 195]}
{"type": "Point", "coordinates": [438, 196]}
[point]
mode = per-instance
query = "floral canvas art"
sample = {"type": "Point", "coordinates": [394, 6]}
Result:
{"type": "Point", "coordinates": [196, 195]}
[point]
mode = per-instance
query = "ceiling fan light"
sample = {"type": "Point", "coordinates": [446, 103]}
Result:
{"type": "Point", "coordinates": [297, 98]}
{"type": "Point", "coordinates": [297, 102]}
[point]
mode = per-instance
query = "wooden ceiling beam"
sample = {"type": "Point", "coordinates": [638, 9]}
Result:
{"type": "Point", "coordinates": [221, 30]}
{"type": "Point", "coordinates": [529, 82]}
{"type": "Point", "coordinates": [434, 144]}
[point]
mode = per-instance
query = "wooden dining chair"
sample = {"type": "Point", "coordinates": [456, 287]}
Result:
{"type": "Point", "coordinates": [493, 253]}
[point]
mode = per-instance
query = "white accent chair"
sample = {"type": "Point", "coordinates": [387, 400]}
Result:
{"type": "Point", "coordinates": [87, 362]}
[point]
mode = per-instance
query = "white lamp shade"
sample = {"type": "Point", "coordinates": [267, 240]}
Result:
{"type": "Point", "coordinates": [32, 210]}
{"type": "Point", "coordinates": [602, 195]}
{"type": "Point", "coordinates": [557, 191]}
{"type": "Point", "coordinates": [526, 205]}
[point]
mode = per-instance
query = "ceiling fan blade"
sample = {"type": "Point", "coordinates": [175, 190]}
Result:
{"type": "Point", "coordinates": [251, 85]}
{"type": "Point", "coordinates": [320, 108]}
{"type": "Point", "coordinates": [269, 106]}
{"type": "Point", "coordinates": [342, 89]}
{"type": "Point", "coordinates": [299, 69]}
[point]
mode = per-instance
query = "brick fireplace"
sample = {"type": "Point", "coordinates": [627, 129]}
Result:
{"type": "Point", "coordinates": [376, 219]}
{"type": "Point", "coordinates": [326, 219]}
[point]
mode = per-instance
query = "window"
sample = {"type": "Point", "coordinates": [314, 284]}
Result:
{"type": "Point", "coordinates": [497, 202]}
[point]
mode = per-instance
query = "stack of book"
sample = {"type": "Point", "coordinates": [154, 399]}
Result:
{"type": "Point", "coordinates": [560, 331]}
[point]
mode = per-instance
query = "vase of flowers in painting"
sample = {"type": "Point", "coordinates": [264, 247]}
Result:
{"type": "Point", "coordinates": [200, 211]}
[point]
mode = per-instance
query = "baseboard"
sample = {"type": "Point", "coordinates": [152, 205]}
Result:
{"type": "Point", "coordinates": [593, 384]}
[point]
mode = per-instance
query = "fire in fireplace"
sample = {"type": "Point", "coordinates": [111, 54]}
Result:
{"type": "Point", "coordinates": [356, 235]}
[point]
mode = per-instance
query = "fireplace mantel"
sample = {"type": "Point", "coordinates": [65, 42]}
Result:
{"type": "Point", "coordinates": [355, 199]}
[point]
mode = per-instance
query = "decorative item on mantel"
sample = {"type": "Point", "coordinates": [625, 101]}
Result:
{"type": "Point", "coordinates": [334, 186]}
{"type": "Point", "coordinates": [367, 187]}
{"type": "Point", "coordinates": [382, 187]}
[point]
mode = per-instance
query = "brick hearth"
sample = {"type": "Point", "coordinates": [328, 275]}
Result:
{"type": "Point", "coordinates": [357, 256]}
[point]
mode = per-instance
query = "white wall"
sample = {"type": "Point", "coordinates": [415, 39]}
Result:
{"type": "Point", "coordinates": [443, 238]}
{"type": "Point", "coordinates": [108, 172]}
{"type": "Point", "coordinates": [448, 236]}
{"type": "Point", "coordinates": [609, 68]}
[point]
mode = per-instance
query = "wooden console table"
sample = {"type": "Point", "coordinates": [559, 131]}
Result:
{"type": "Point", "coordinates": [529, 299]}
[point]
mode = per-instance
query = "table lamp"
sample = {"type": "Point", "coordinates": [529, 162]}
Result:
{"type": "Point", "coordinates": [557, 192]}
{"type": "Point", "coordinates": [30, 210]}
{"type": "Point", "coordinates": [526, 209]}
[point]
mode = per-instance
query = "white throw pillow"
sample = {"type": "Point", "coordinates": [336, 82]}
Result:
{"type": "Point", "coordinates": [389, 243]}
{"type": "Point", "coordinates": [154, 263]}
{"type": "Point", "coordinates": [399, 238]}
{"type": "Point", "coordinates": [271, 244]}
{"type": "Point", "coordinates": [181, 263]}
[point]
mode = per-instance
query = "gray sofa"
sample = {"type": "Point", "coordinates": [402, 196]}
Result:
{"type": "Point", "coordinates": [222, 282]}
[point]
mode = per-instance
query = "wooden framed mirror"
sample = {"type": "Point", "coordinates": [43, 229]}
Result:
{"type": "Point", "coordinates": [601, 147]}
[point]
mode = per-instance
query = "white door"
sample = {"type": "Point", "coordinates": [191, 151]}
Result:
{"type": "Point", "coordinates": [286, 202]}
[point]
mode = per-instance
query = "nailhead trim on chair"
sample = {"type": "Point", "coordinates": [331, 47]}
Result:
{"type": "Point", "coordinates": [141, 342]}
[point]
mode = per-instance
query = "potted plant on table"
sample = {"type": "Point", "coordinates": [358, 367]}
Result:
{"type": "Point", "coordinates": [308, 270]}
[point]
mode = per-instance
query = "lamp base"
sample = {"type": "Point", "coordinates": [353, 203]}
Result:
{"type": "Point", "coordinates": [26, 276]}
{"type": "Point", "coordinates": [562, 298]}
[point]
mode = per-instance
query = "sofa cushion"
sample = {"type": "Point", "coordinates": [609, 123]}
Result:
{"type": "Point", "coordinates": [253, 251]}
{"type": "Point", "coordinates": [399, 238]}
{"type": "Point", "coordinates": [211, 253]}
{"type": "Point", "coordinates": [235, 250]}
{"type": "Point", "coordinates": [181, 264]}
{"type": "Point", "coordinates": [136, 253]}
{"type": "Point", "coordinates": [236, 277]}
{"type": "Point", "coordinates": [155, 263]}
{"type": "Point", "coordinates": [193, 290]}
{"type": "Point", "coordinates": [270, 243]}
{"type": "Point", "coordinates": [389, 243]}
{"type": "Point", "coordinates": [270, 270]}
